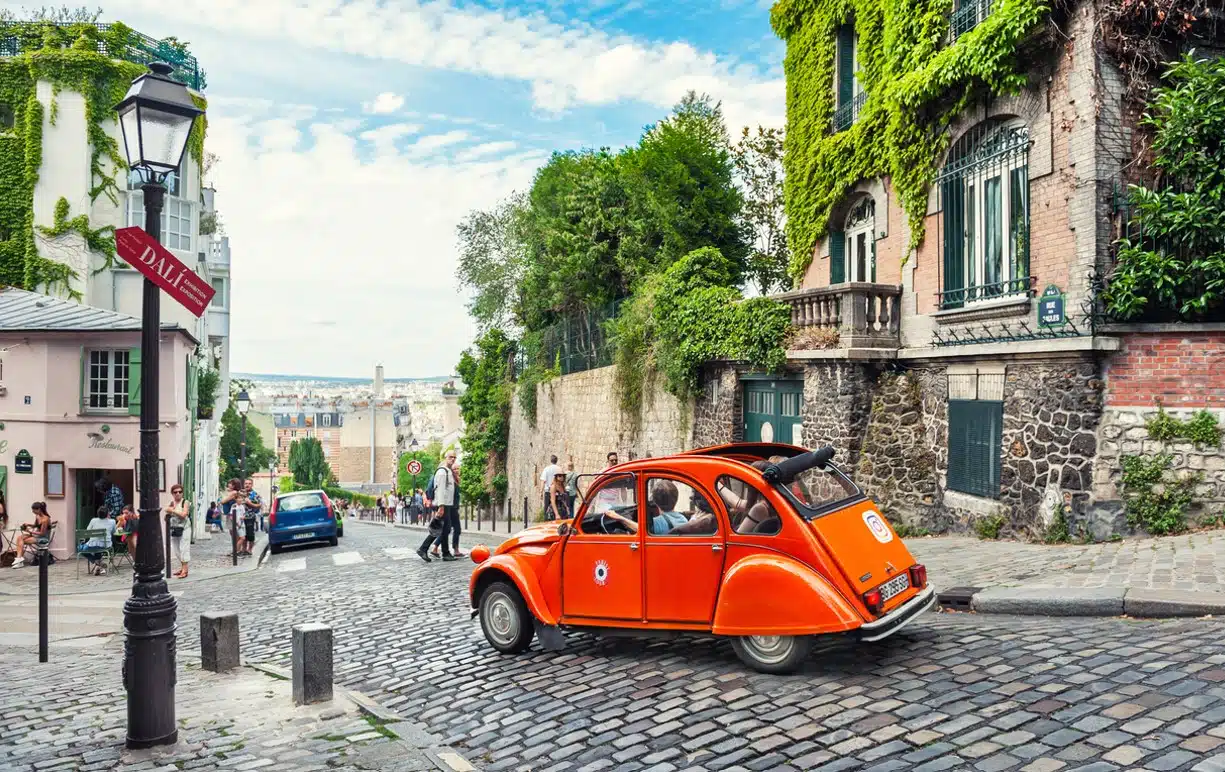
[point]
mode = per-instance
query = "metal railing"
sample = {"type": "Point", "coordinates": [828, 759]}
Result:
{"type": "Point", "coordinates": [957, 298]}
{"type": "Point", "coordinates": [865, 315]}
{"type": "Point", "coordinates": [967, 15]}
{"type": "Point", "coordinates": [578, 342]}
{"type": "Point", "coordinates": [26, 37]}
{"type": "Point", "coordinates": [846, 115]}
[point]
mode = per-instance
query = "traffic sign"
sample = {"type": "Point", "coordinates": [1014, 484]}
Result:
{"type": "Point", "coordinates": [159, 265]}
{"type": "Point", "coordinates": [414, 467]}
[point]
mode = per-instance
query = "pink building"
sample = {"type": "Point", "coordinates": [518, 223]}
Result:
{"type": "Point", "coordinates": [70, 408]}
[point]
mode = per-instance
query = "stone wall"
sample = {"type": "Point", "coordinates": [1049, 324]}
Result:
{"type": "Point", "coordinates": [578, 419]}
{"type": "Point", "coordinates": [837, 400]}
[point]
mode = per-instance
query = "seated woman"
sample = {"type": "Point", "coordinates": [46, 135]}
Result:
{"type": "Point", "coordinates": [32, 532]}
{"type": "Point", "coordinates": [94, 549]}
{"type": "Point", "coordinates": [129, 523]}
{"type": "Point", "coordinates": [703, 523]}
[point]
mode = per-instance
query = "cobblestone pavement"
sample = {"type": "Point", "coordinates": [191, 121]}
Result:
{"type": "Point", "coordinates": [952, 691]}
{"type": "Point", "coordinates": [71, 715]}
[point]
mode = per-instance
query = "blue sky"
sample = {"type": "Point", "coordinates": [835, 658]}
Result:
{"type": "Point", "coordinates": [353, 135]}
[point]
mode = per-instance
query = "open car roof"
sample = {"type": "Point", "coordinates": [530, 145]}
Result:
{"type": "Point", "coordinates": [750, 451]}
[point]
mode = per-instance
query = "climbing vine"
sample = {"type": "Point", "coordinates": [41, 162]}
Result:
{"type": "Point", "coordinates": [915, 86]}
{"type": "Point", "coordinates": [67, 57]}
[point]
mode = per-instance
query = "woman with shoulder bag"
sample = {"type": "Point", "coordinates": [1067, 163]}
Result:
{"type": "Point", "coordinates": [177, 521]}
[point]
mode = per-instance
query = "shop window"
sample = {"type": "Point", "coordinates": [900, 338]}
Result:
{"type": "Point", "coordinates": [852, 249]}
{"type": "Point", "coordinates": [984, 191]}
{"type": "Point", "coordinates": [849, 95]}
{"type": "Point", "coordinates": [976, 427]}
{"type": "Point", "coordinates": [109, 378]}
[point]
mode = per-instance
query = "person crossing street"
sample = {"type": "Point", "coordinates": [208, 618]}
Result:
{"type": "Point", "coordinates": [446, 503]}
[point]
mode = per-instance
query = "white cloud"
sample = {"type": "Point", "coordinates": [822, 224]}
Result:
{"type": "Point", "coordinates": [566, 65]}
{"type": "Point", "coordinates": [485, 149]}
{"type": "Point", "coordinates": [385, 103]}
{"type": "Point", "coordinates": [319, 235]}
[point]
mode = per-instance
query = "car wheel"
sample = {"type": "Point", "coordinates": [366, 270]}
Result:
{"type": "Point", "coordinates": [275, 549]}
{"type": "Point", "coordinates": [505, 619]}
{"type": "Point", "coordinates": [772, 653]}
{"type": "Point", "coordinates": [333, 541]}
{"type": "Point", "coordinates": [340, 532]}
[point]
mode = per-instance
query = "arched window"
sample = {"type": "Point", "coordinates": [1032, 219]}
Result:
{"type": "Point", "coordinates": [852, 250]}
{"type": "Point", "coordinates": [984, 192]}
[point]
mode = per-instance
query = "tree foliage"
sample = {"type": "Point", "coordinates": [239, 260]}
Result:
{"type": "Point", "coordinates": [308, 465]}
{"type": "Point", "coordinates": [230, 447]}
{"type": "Point", "coordinates": [758, 158]}
{"type": "Point", "coordinates": [486, 371]}
{"type": "Point", "coordinates": [1174, 269]}
{"type": "Point", "coordinates": [429, 457]}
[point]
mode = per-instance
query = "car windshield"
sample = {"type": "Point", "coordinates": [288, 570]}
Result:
{"type": "Point", "coordinates": [299, 501]}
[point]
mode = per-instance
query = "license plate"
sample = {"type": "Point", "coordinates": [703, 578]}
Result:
{"type": "Point", "coordinates": [895, 586]}
{"type": "Point", "coordinates": [308, 536]}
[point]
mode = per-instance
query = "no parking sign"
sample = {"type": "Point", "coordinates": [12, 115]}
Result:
{"type": "Point", "coordinates": [414, 467]}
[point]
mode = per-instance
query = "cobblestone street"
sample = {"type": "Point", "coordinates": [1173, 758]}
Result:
{"type": "Point", "coordinates": [952, 691]}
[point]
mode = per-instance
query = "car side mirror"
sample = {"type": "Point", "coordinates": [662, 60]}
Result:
{"type": "Point", "coordinates": [563, 529]}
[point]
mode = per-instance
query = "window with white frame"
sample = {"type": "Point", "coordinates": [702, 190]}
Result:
{"type": "Point", "coordinates": [861, 241]}
{"type": "Point", "coordinates": [106, 379]}
{"type": "Point", "coordinates": [984, 190]}
{"type": "Point", "coordinates": [327, 419]}
{"type": "Point", "coordinates": [219, 294]}
{"type": "Point", "coordinates": [176, 219]}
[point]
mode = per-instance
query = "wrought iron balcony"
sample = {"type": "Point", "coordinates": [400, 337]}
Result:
{"type": "Point", "coordinates": [846, 114]}
{"type": "Point", "coordinates": [864, 315]}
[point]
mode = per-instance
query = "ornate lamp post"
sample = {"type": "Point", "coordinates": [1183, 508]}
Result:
{"type": "Point", "coordinates": [155, 118]}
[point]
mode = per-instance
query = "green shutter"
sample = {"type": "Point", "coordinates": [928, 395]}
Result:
{"type": "Point", "coordinates": [837, 257]}
{"type": "Point", "coordinates": [953, 201]}
{"type": "Point", "coordinates": [846, 64]}
{"type": "Point", "coordinates": [84, 364]}
{"type": "Point", "coordinates": [975, 445]}
{"type": "Point", "coordinates": [193, 384]}
{"type": "Point", "coordinates": [134, 381]}
{"type": "Point", "coordinates": [4, 483]}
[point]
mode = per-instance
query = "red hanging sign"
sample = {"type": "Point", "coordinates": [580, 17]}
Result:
{"type": "Point", "coordinates": [159, 265]}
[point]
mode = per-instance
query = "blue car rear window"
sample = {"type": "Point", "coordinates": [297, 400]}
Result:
{"type": "Point", "coordinates": [299, 502]}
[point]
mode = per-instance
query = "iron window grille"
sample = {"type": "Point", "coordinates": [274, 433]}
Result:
{"type": "Point", "coordinates": [984, 196]}
{"type": "Point", "coordinates": [846, 114]}
{"type": "Point", "coordinates": [968, 14]}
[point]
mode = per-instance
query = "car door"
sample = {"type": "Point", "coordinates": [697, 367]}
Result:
{"type": "Point", "coordinates": [684, 560]}
{"type": "Point", "coordinates": [602, 571]}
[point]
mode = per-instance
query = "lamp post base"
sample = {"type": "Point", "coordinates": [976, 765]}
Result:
{"type": "Point", "coordinates": [150, 621]}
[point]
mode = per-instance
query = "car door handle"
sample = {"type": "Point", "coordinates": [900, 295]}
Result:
{"type": "Point", "coordinates": [634, 546]}
{"type": "Point", "coordinates": [716, 548]}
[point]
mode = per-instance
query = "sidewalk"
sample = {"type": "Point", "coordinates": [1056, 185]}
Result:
{"type": "Point", "coordinates": [1142, 576]}
{"type": "Point", "coordinates": [70, 714]}
{"type": "Point", "coordinates": [83, 606]}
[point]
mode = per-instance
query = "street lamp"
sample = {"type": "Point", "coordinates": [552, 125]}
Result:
{"type": "Point", "coordinates": [242, 403]}
{"type": "Point", "coordinates": [155, 118]}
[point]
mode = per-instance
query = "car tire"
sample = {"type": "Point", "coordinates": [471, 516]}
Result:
{"type": "Point", "coordinates": [275, 549]}
{"type": "Point", "coordinates": [505, 619]}
{"type": "Point", "coordinates": [777, 654]}
{"type": "Point", "coordinates": [334, 541]}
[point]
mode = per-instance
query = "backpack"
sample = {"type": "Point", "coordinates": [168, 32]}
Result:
{"type": "Point", "coordinates": [429, 487]}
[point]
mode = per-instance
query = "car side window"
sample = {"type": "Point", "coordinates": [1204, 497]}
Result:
{"type": "Point", "coordinates": [750, 511]}
{"type": "Point", "coordinates": [618, 498]}
{"type": "Point", "coordinates": [674, 508]}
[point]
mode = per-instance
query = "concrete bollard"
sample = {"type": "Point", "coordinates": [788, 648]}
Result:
{"type": "Point", "coordinates": [312, 663]}
{"type": "Point", "coordinates": [219, 642]}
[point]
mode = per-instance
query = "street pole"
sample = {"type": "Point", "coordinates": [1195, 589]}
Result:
{"type": "Point", "coordinates": [150, 614]}
{"type": "Point", "coordinates": [242, 466]}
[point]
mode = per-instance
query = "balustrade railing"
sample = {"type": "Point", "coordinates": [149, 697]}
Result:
{"type": "Point", "coordinates": [864, 315]}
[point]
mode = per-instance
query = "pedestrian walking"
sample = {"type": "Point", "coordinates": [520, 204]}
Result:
{"type": "Point", "coordinates": [446, 503]}
{"type": "Point", "coordinates": [556, 500]}
{"type": "Point", "coordinates": [177, 521]}
{"type": "Point", "coordinates": [252, 506]}
{"type": "Point", "coordinates": [546, 477]}
{"type": "Point", "coordinates": [418, 505]}
{"type": "Point", "coordinates": [231, 505]}
{"type": "Point", "coordinates": [380, 507]}
{"type": "Point", "coordinates": [402, 510]}
{"type": "Point", "coordinates": [392, 502]}
{"type": "Point", "coordinates": [571, 485]}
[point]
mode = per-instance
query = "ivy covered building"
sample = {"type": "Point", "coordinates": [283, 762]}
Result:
{"type": "Point", "coordinates": [64, 189]}
{"type": "Point", "coordinates": [956, 189]}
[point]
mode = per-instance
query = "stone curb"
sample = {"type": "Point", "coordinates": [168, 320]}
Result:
{"type": "Point", "coordinates": [445, 758]}
{"type": "Point", "coordinates": [1096, 602]}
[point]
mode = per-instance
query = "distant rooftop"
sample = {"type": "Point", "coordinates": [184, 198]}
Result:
{"type": "Point", "coordinates": [22, 36]}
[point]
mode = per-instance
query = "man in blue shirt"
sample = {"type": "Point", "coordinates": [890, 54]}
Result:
{"type": "Point", "coordinates": [112, 496]}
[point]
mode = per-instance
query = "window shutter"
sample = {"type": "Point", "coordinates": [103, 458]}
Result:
{"type": "Point", "coordinates": [837, 257]}
{"type": "Point", "coordinates": [846, 64]}
{"type": "Point", "coordinates": [134, 381]}
{"type": "Point", "coordinates": [84, 381]}
{"type": "Point", "coordinates": [953, 201]}
{"type": "Point", "coordinates": [975, 435]}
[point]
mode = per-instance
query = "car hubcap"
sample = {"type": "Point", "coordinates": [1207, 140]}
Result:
{"type": "Point", "coordinates": [770, 649]}
{"type": "Point", "coordinates": [502, 619]}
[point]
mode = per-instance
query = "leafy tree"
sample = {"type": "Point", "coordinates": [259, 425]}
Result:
{"type": "Point", "coordinates": [758, 159]}
{"type": "Point", "coordinates": [308, 465]}
{"type": "Point", "coordinates": [230, 449]}
{"type": "Point", "coordinates": [485, 407]}
{"type": "Point", "coordinates": [429, 456]}
{"type": "Point", "coordinates": [1175, 270]}
{"type": "Point", "coordinates": [492, 247]}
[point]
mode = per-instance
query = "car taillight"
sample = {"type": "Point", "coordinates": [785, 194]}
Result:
{"type": "Point", "coordinates": [918, 576]}
{"type": "Point", "coordinates": [873, 601]}
{"type": "Point", "coordinates": [272, 513]}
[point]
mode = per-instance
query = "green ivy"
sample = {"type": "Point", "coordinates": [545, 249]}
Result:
{"type": "Point", "coordinates": [1203, 428]}
{"type": "Point", "coordinates": [66, 57]}
{"type": "Point", "coordinates": [914, 87]}
{"type": "Point", "coordinates": [1151, 499]}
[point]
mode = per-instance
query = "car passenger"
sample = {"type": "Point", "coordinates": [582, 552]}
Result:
{"type": "Point", "coordinates": [664, 496]}
{"type": "Point", "coordinates": [701, 524]}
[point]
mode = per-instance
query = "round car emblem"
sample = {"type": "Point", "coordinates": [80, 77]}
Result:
{"type": "Point", "coordinates": [601, 573]}
{"type": "Point", "coordinates": [877, 526]}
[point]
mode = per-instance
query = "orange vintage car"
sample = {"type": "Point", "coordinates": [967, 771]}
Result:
{"type": "Point", "coordinates": [765, 544]}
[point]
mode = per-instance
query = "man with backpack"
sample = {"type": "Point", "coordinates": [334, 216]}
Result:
{"type": "Point", "coordinates": [443, 493]}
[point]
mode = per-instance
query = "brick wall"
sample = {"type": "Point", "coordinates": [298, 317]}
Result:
{"type": "Point", "coordinates": [1178, 369]}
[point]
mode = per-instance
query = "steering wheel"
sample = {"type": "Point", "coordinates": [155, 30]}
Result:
{"type": "Point", "coordinates": [612, 527]}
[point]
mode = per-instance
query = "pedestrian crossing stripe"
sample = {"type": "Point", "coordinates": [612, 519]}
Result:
{"type": "Point", "coordinates": [399, 553]}
{"type": "Point", "coordinates": [297, 564]}
{"type": "Point", "coordinates": [347, 558]}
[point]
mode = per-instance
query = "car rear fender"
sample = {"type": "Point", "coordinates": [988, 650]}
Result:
{"type": "Point", "coordinates": [772, 594]}
{"type": "Point", "coordinates": [509, 567]}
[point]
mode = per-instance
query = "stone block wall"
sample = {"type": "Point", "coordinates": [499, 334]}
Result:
{"type": "Point", "coordinates": [352, 465]}
{"type": "Point", "coordinates": [578, 419]}
{"type": "Point", "coordinates": [837, 400]}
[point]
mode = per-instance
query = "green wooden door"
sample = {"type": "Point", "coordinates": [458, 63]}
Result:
{"type": "Point", "coordinates": [772, 410]}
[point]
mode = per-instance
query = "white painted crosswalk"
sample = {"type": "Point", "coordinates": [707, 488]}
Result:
{"type": "Point", "coordinates": [290, 565]}
{"type": "Point", "coordinates": [347, 558]}
{"type": "Point", "coordinates": [313, 559]}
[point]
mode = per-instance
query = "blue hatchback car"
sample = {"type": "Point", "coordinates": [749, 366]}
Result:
{"type": "Point", "coordinates": [302, 517]}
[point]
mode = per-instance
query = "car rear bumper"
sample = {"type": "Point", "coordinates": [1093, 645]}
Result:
{"type": "Point", "coordinates": [900, 617]}
{"type": "Point", "coordinates": [288, 535]}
